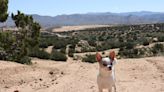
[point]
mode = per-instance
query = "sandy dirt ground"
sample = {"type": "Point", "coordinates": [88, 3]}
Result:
{"type": "Point", "coordinates": [81, 27]}
{"type": "Point", "coordinates": [132, 75]}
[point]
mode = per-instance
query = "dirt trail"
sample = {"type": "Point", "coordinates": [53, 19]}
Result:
{"type": "Point", "coordinates": [132, 75]}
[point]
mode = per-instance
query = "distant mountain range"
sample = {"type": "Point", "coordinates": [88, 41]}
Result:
{"type": "Point", "coordinates": [97, 18]}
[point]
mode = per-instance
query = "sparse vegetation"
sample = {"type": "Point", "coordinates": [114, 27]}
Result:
{"type": "Point", "coordinates": [36, 52]}
{"type": "Point", "coordinates": [125, 37]}
{"type": "Point", "coordinates": [89, 59]}
{"type": "Point", "coordinates": [58, 56]}
{"type": "Point", "coordinates": [158, 49]}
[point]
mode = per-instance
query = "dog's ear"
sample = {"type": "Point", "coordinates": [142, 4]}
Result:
{"type": "Point", "coordinates": [112, 55]}
{"type": "Point", "coordinates": [98, 57]}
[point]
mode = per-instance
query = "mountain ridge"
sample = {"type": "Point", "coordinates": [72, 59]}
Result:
{"type": "Point", "coordinates": [97, 18]}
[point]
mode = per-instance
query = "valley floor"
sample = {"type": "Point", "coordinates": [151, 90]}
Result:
{"type": "Point", "coordinates": [132, 75]}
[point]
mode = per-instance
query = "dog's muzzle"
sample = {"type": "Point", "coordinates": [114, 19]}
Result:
{"type": "Point", "coordinates": [109, 67]}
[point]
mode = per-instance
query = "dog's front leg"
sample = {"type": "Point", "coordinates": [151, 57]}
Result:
{"type": "Point", "coordinates": [100, 90]}
{"type": "Point", "coordinates": [109, 90]}
{"type": "Point", "coordinates": [115, 88]}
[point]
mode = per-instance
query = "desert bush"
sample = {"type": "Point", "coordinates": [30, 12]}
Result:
{"type": "Point", "coordinates": [158, 48]}
{"type": "Point", "coordinates": [92, 43]}
{"type": "Point", "coordinates": [44, 44]}
{"type": "Point", "coordinates": [131, 53]}
{"type": "Point", "coordinates": [58, 56]}
{"type": "Point", "coordinates": [84, 49]}
{"type": "Point", "coordinates": [89, 59]}
{"type": "Point", "coordinates": [63, 50]}
{"type": "Point", "coordinates": [103, 47]}
{"type": "Point", "coordinates": [47, 40]}
{"type": "Point", "coordinates": [60, 44]}
{"type": "Point", "coordinates": [39, 54]}
{"type": "Point", "coordinates": [161, 38]}
{"type": "Point", "coordinates": [115, 44]}
{"type": "Point", "coordinates": [146, 42]}
{"type": "Point", "coordinates": [130, 45]}
{"type": "Point", "coordinates": [25, 60]}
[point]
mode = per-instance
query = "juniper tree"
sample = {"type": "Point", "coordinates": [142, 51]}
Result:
{"type": "Point", "coordinates": [27, 35]}
{"type": "Point", "coordinates": [3, 10]}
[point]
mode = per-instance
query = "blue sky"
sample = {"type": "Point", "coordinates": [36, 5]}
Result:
{"type": "Point", "coordinates": [58, 7]}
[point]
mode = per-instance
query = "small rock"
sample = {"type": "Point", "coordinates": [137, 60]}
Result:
{"type": "Point", "coordinates": [40, 79]}
{"type": "Point", "coordinates": [16, 91]}
{"type": "Point", "coordinates": [51, 73]}
{"type": "Point", "coordinates": [22, 81]}
{"type": "Point", "coordinates": [6, 87]}
{"type": "Point", "coordinates": [91, 87]}
{"type": "Point", "coordinates": [62, 73]}
{"type": "Point", "coordinates": [133, 69]}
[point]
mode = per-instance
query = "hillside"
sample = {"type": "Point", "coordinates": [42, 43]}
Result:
{"type": "Point", "coordinates": [132, 75]}
{"type": "Point", "coordinates": [97, 18]}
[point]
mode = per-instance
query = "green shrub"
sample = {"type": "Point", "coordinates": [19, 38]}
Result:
{"type": "Point", "coordinates": [25, 60]}
{"type": "Point", "coordinates": [47, 40]}
{"type": "Point", "coordinates": [130, 45]}
{"type": "Point", "coordinates": [131, 53]}
{"type": "Point", "coordinates": [92, 43]}
{"type": "Point", "coordinates": [114, 44]}
{"type": "Point", "coordinates": [58, 56]}
{"type": "Point", "coordinates": [158, 48]}
{"type": "Point", "coordinates": [102, 47]}
{"type": "Point", "coordinates": [161, 39]}
{"type": "Point", "coordinates": [145, 43]}
{"type": "Point", "coordinates": [89, 59]}
{"type": "Point", "coordinates": [59, 45]}
{"type": "Point", "coordinates": [84, 49]}
{"type": "Point", "coordinates": [39, 54]}
{"type": "Point", "coordinates": [62, 50]}
{"type": "Point", "coordinates": [43, 45]}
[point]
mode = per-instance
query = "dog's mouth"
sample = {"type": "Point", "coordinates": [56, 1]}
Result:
{"type": "Point", "coordinates": [110, 68]}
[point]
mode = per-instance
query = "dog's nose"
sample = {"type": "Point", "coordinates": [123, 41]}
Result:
{"type": "Point", "coordinates": [110, 68]}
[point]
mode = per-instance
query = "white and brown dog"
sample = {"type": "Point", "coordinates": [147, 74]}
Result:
{"type": "Point", "coordinates": [106, 76]}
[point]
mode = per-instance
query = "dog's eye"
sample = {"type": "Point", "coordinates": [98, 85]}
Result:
{"type": "Point", "coordinates": [104, 64]}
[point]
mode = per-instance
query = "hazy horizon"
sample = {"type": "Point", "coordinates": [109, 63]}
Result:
{"type": "Point", "coordinates": [65, 7]}
{"type": "Point", "coordinates": [98, 12]}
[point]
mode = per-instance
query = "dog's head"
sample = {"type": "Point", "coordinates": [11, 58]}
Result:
{"type": "Point", "coordinates": [106, 62]}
